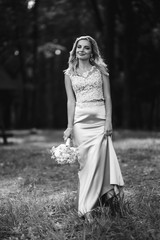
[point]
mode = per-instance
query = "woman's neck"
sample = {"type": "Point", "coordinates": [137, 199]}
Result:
{"type": "Point", "coordinates": [85, 65]}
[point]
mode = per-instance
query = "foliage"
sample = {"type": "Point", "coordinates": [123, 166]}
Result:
{"type": "Point", "coordinates": [128, 33]}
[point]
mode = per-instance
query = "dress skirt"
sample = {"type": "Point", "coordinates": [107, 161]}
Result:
{"type": "Point", "coordinates": [99, 171]}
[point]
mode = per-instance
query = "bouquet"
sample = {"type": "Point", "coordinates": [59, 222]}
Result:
{"type": "Point", "coordinates": [64, 153]}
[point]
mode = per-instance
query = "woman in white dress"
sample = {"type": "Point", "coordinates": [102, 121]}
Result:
{"type": "Point", "coordinates": [90, 126]}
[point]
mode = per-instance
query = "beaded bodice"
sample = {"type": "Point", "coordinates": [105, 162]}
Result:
{"type": "Point", "coordinates": [87, 87]}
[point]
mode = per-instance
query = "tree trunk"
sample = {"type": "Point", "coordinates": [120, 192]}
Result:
{"type": "Point", "coordinates": [128, 62]}
{"type": "Point", "coordinates": [21, 46]}
{"type": "Point", "coordinates": [109, 43]}
{"type": "Point", "coordinates": [35, 65]}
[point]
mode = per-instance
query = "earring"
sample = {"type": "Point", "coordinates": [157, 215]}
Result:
{"type": "Point", "coordinates": [91, 58]}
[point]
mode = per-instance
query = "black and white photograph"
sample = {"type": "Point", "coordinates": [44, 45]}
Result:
{"type": "Point", "coordinates": [79, 120]}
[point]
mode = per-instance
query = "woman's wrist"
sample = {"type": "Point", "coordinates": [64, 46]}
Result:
{"type": "Point", "coordinates": [69, 127]}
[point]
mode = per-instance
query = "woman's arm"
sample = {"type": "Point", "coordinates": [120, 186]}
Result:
{"type": "Point", "coordinates": [70, 107]}
{"type": "Point", "coordinates": [108, 105]}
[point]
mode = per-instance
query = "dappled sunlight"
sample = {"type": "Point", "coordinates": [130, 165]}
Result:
{"type": "Point", "coordinates": [138, 143]}
{"type": "Point", "coordinates": [8, 186]}
{"type": "Point", "coordinates": [47, 138]}
{"type": "Point", "coordinates": [37, 138]}
{"type": "Point", "coordinates": [13, 140]}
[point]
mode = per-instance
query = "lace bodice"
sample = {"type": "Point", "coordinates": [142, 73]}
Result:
{"type": "Point", "coordinates": [87, 87]}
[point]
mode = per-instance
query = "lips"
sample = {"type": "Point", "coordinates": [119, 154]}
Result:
{"type": "Point", "coordinates": [81, 54]}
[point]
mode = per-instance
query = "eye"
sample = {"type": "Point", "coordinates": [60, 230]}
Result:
{"type": "Point", "coordinates": [78, 46]}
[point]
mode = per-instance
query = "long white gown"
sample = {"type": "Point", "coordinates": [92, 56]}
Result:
{"type": "Point", "coordinates": [99, 171]}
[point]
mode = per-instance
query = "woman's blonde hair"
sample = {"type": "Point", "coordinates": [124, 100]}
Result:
{"type": "Point", "coordinates": [95, 60]}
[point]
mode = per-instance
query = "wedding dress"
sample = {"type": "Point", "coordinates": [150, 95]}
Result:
{"type": "Point", "coordinates": [99, 172]}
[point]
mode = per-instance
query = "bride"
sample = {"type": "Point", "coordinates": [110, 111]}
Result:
{"type": "Point", "coordinates": [89, 111]}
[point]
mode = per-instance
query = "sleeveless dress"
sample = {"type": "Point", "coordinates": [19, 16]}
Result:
{"type": "Point", "coordinates": [99, 173]}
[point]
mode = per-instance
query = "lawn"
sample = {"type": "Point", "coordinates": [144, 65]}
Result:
{"type": "Point", "coordinates": [38, 197]}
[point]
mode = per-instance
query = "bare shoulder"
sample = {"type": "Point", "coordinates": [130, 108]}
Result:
{"type": "Point", "coordinates": [104, 70]}
{"type": "Point", "coordinates": [67, 72]}
{"type": "Point", "coordinates": [67, 77]}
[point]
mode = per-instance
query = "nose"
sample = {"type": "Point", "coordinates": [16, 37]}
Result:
{"type": "Point", "coordinates": [82, 49]}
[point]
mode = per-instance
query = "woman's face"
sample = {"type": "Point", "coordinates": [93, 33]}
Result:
{"type": "Point", "coordinates": [83, 49]}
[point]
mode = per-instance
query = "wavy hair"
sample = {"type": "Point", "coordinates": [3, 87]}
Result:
{"type": "Point", "coordinates": [96, 59]}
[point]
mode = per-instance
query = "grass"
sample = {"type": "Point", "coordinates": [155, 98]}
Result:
{"type": "Point", "coordinates": [38, 197]}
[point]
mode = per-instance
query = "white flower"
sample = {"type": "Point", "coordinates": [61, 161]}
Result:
{"type": "Point", "coordinates": [64, 154]}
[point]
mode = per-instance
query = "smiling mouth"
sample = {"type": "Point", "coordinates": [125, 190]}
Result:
{"type": "Point", "coordinates": [81, 54]}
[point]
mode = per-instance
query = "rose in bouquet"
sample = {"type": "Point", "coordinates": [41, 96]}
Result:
{"type": "Point", "coordinates": [64, 153]}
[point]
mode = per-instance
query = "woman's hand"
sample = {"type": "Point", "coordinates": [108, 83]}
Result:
{"type": "Point", "coordinates": [67, 133]}
{"type": "Point", "coordinates": [108, 128]}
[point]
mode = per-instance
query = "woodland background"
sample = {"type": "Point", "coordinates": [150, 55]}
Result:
{"type": "Point", "coordinates": [37, 196]}
{"type": "Point", "coordinates": [36, 37]}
